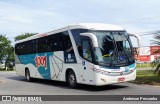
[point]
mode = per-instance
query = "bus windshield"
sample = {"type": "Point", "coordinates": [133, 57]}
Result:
{"type": "Point", "coordinates": [114, 48]}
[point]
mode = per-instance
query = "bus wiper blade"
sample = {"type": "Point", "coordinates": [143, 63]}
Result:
{"type": "Point", "coordinates": [102, 63]}
{"type": "Point", "coordinates": [112, 56]}
{"type": "Point", "coordinates": [124, 52]}
{"type": "Point", "coordinates": [115, 52]}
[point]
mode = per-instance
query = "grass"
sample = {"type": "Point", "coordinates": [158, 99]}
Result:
{"type": "Point", "coordinates": [143, 65]}
{"type": "Point", "coordinates": [147, 77]}
{"type": "Point", "coordinates": [3, 69]}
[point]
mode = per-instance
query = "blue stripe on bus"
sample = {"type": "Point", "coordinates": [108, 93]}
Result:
{"type": "Point", "coordinates": [31, 59]}
{"type": "Point", "coordinates": [132, 65]}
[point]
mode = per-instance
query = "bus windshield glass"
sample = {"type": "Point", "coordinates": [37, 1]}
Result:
{"type": "Point", "coordinates": [114, 48]}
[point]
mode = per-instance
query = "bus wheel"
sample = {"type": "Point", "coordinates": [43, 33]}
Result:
{"type": "Point", "coordinates": [27, 75]}
{"type": "Point", "coordinates": [72, 82]}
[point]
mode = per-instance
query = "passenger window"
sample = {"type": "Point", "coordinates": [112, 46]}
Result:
{"type": "Point", "coordinates": [54, 42]}
{"type": "Point", "coordinates": [42, 45]}
{"type": "Point", "coordinates": [86, 50]}
{"type": "Point", "coordinates": [66, 43]}
{"type": "Point", "coordinates": [77, 38]}
{"type": "Point", "coordinates": [33, 46]}
{"type": "Point", "coordinates": [18, 49]}
{"type": "Point", "coordinates": [25, 48]}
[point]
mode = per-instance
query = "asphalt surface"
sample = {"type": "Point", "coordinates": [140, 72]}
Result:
{"type": "Point", "coordinates": [11, 84]}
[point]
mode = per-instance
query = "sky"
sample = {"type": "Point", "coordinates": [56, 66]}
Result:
{"type": "Point", "coordinates": [39, 16]}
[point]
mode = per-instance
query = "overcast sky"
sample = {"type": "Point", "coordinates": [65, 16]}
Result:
{"type": "Point", "coordinates": [20, 16]}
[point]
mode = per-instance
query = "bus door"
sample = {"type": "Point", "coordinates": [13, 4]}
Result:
{"type": "Point", "coordinates": [87, 62]}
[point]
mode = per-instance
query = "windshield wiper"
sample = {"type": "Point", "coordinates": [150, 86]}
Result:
{"type": "Point", "coordinates": [103, 64]}
{"type": "Point", "coordinates": [115, 53]}
{"type": "Point", "coordinates": [124, 52]}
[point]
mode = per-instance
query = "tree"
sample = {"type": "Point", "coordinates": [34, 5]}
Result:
{"type": "Point", "coordinates": [156, 38]}
{"type": "Point", "coordinates": [6, 52]}
{"type": "Point", "coordinates": [156, 63]}
{"type": "Point", "coordinates": [10, 57]}
{"type": "Point", "coordinates": [23, 36]}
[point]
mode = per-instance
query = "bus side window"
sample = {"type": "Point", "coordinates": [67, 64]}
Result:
{"type": "Point", "coordinates": [86, 49]}
{"type": "Point", "coordinates": [77, 39]}
{"type": "Point", "coordinates": [53, 43]}
{"type": "Point", "coordinates": [26, 47]}
{"type": "Point", "coordinates": [23, 48]}
{"type": "Point", "coordinates": [42, 45]}
{"type": "Point", "coordinates": [50, 43]}
{"type": "Point", "coordinates": [17, 49]}
{"type": "Point", "coordinates": [33, 46]}
{"type": "Point", "coordinates": [66, 43]}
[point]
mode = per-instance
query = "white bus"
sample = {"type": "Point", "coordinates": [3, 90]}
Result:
{"type": "Point", "coordinates": [85, 53]}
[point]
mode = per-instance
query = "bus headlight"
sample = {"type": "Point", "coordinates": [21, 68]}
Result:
{"type": "Point", "coordinates": [101, 71]}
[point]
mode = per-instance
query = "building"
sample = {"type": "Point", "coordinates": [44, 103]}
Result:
{"type": "Point", "coordinates": [146, 54]}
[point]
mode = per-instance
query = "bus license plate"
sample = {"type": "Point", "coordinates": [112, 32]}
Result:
{"type": "Point", "coordinates": [121, 79]}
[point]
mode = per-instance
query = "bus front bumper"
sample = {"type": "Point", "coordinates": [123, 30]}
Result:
{"type": "Point", "coordinates": [101, 79]}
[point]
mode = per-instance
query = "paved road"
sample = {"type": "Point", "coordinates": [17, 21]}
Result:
{"type": "Point", "coordinates": [15, 85]}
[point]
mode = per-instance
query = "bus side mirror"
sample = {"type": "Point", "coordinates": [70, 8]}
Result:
{"type": "Point", "coordinates": [136, 36]}
{"type": "Point", "coordinates": [92, 37]}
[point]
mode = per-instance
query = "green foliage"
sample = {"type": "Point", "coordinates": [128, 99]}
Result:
{"type": "Point", "coordinates": [6, 51]}
{"type": "Point", "coordinates": [5, 45]}
{"type": "Point", "coordinates": [156, 42]}
{"type": "Point", "coordinates": [144, 65]}
{"type": "Point", "coordinates": [10, 57]}
{"type": "Point", "coordinates": [147, 77]}
{"type": "Point", "coordinates": [23, 36]}
{"type": "Point", "coordinates": [9, 69]}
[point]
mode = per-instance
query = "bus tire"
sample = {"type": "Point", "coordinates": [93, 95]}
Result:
{"type": "Point", "coordinates": [71, 79]}
{"type": "Point", "coordinates": [27, 75]}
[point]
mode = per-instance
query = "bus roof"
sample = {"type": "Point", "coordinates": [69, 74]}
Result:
{"type": "Point", "coordinates": [96, 26]}
{"type": "Point", "coordinates": [90, 26]}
